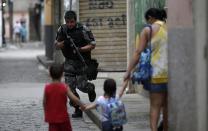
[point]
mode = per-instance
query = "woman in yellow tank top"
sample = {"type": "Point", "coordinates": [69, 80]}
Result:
{"type": "Point", "coordinates": [158, 85]}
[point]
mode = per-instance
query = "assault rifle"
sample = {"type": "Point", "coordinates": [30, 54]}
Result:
{"type": "Point", "coordinates": [75, 48]}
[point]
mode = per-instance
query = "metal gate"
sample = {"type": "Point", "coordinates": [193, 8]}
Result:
{"type": "Point", "coordinates": [107, 20]}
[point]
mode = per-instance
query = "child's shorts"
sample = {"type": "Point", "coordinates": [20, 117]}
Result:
{"type": "Point", "coordinates": [65, 126]}
{"type": "Point", "coordinates": [107, 126]}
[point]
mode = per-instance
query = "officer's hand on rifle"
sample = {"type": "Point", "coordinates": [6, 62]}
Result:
{"type": "Point", "coordinates": [59, 44]}
{"type": "Point", "coordinates": [87, 48]}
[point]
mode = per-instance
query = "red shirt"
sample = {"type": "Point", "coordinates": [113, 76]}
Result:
{"type": "Point", "coordinates": [56, 103]}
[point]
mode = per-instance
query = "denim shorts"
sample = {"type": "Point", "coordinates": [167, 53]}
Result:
{"type": "Point", "coordinates": [107, 126]}
{"type": "Point", "coordinates": [151, 87]}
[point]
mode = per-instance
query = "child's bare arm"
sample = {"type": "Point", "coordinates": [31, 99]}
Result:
{"type": "Point", "coordinates": [74, 98]}
{"type": "Point", "coordinates": [90, 106]}
{"type": "Point", "coordinates": [124, 85]}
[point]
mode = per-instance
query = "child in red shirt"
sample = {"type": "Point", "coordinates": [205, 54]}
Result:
{"type": "Point", "coordinates": [55, 101]}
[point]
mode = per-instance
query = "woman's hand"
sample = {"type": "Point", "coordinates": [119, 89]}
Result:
{"type": "Point", "coordinates": [82, 107]}
{"type": "Point", "coordinates": [124, 85]}
{"type": "Point", "coordinates": [120, 94]}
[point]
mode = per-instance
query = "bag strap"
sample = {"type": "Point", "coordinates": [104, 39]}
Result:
{"type": "Point", "coordinates": [149, 43]}
{"type": "Point", "coordinates": [150, 35]}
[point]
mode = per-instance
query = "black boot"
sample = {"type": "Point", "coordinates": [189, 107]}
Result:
{"type": "Point", "coordinates": [91, 92]}
{"type": "Point", "coordinates": [77, 113]}
{"type": "Point", "coordinates": [160, 127]}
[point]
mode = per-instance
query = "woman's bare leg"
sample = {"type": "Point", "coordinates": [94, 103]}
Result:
{"type": "Point", "coordinates": [156, 103]}
{"type": "Point", "coordinates": [165, 112]}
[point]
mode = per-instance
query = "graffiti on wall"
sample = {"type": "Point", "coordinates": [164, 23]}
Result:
{"type": "Point", "coordinates": [100, 4]}
{"type": "Point", "coordinates": [109, 21]}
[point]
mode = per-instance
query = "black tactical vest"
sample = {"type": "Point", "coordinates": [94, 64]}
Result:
{"type": "Point", "coordinates": [77, 34]}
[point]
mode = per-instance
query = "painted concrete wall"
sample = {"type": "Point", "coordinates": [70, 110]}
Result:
{"type": "Point", "coordinates": [182, 66]}
{"type": "Point", "coordinates": [187, 67]}
{"type": "Point", "coordinates": [48, 29]}
{"type": "Point", "coordinates": [58, 20]}
{"type": "Point", "coordinates": [201, 37]}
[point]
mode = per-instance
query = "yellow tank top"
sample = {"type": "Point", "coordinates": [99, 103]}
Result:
{"type": "Point", "coordinates": [159, 60]}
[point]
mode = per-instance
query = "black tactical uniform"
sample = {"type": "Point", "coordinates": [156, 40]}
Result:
{"type": "Point", "coordinates": [74, 70]}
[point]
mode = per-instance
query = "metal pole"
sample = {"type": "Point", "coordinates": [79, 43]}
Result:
{"type": "Point", "coordinates": [70, 5]}
{"type": "Point", "coordinates": [11, 19]}
{"type": "Point", "coordinates": [3, 26]}
{"type": "Point", "coordinates": [1, 17]}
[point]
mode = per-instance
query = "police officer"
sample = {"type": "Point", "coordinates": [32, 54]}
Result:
{"type": "Point", "coordinates": [74, 69]}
